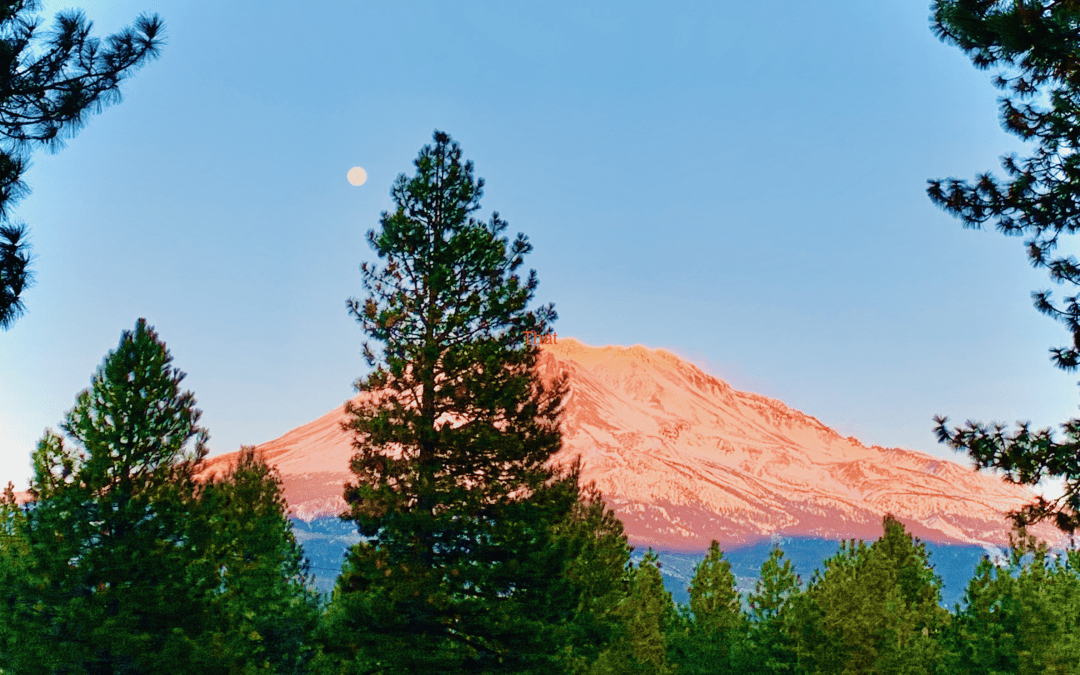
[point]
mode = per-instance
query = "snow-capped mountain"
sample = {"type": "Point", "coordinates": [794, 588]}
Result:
{"type": "Point", "coordinates": [683, 459]}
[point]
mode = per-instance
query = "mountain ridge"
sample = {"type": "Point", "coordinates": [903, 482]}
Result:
{"type": "Point", "coordinates": [683, 458]}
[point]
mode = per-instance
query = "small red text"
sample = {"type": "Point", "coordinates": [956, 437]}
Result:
{"type": "Point", "coordinates": [532, 338]}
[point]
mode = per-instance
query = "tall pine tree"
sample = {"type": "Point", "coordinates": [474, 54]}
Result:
{"type": "Point", "coordinates": [124, 563]}
{"type": "Point", "coordinates": [1033, 44]}
{"type": "Point", "coordinates": [877, 607]}
{"type": "Point", "coordinates": [462, 568]}
{"type": "Point", "coordinates": [97, 578]}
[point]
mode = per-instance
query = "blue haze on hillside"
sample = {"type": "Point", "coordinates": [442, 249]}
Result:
{"type": "Point", "coordinates": [953, 563]}
{"type": "Point", "coordinates": [325, 541]}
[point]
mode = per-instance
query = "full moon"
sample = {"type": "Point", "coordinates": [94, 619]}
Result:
{"type": "Point", "coordinates": [356, 176]}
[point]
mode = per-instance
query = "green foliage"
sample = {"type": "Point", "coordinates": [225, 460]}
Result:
{"type": "Point", "coordinates": [1033, 44]}
{"type": "Point", "coordinates": [465, 566]}
{"type": "Point", "coordinates": [876, 608]}
{"type": "Point", "coordinates": [774, 589]}
{"type": "Point", "coordinates": [647, 616]}
{"type": "Point", "coordinates": [1022, 618]}
{"type": "Point", "coordinates": [14, 550]}
{"type": "Point", "coordinates": [100, 576]}
{"type": "Point", "coordinates": [715, 627]}
{"type": "Point", "coordinates": [123, 564]}
{"type": "Point", "coordinates": [713, 599]}
{"type": "Point", "coordinates": [600, 557]}
{"type": "Point", "coordinates": [49, 83]}
{"type": "Point", "coordinates": [262, 613]}
{"type": "Point", "coordinates": [776, 628]}
{"type": "Point", "coordinates": [15, 274]}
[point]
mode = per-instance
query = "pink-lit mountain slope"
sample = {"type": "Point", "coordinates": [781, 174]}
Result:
{"type": "Point", "coordinates": [683, 458]}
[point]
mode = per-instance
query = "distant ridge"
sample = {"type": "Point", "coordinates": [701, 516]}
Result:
{"type": "Point", "coordinates": [683, 458]}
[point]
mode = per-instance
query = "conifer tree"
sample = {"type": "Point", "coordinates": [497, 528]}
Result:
{"type": "Point", "coordinates": [714, 600]}
{"type": "Point", "coordinates": [100, 580]}
{"type": "Point", "coordinates": [599, 561]}
{"type": "Point", "coordinates": [774, 632]}
{"type": "Point", "coordinates": [1033, 46]}
{"type": "Point", "coordinates": [123, 563]}
{"type": "Point", "coordinates": [647, 617]}
{"type": "Point", "coordinates": [262, 612]}
{"type": "Point", "coordinates": [716, 626]}
{"type": "Point", "coordinates": [1022, 617]}
{"type": "Point", "coordinates": [49, 83]}
{"type": "Point", "coordinates": [15, 274]}
{"type": "Point", "coordinates": [877, 607]}
{"type": "Point", "coordinates": [14, 550]}
{"type": "Point", "coordinates": [462, 568]}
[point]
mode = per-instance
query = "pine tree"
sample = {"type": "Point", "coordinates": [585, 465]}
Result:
{"type": "Point", "coordinates": [1033, 45]}
{"type": "Point", "coordinates": [15, 274]}
{"type": "Point", "coordinates": [98, 578]}
{"type": "Point", "coordinates": [877, 607]}
{"type": "Point", "coordinates": [1023, 617]}
{"type": "Point", "coordinates": [600, 558]}
{"type": "Point", "coordinates": [715, 626]}
{"type": "Point", "coordinates": [49, 83]}
{"type": "Point", "coordinates": [263, 612]}
{"type": "Point", "coordinates": [647, 618]}
{"type": "Point", "coordinates": [462, 568]}
{"type": "Point", "coordinates": [14, 550]}
{"type": "Point", "coordinates": [774, 635]}
{"type": "Point", "coordinates": [124, 563]}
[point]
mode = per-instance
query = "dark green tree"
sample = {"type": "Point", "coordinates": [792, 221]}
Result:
{"type": "Point", "coordinates": [124, 563]}
{"type": "Point", "coordinates": [462, 568]}
{"type": "Point", "coordinates": [1033, 44]}
{"type": "Point", "coordinates": [598, 571]}
{"type": "Point", "coordinates": [50, 82]}
{"type": "Point", "coordinates": [100, 579]}
{"type": "Point", "coordinates": [262, 612]}
{"type": "Point", "coordinates": [715, 626]}
{"type": "Point", "coordinates": [877, 607]}
{"type": "Point", "coordinates": [775, 630]}
{"type": "Point", "coordinates": [15, 274]}
{"type": "Point", "coordinates": [1022, 617]}
{"type": "Point", "coordinates": [647, 618]}
{"type": "Point", "coordinates": [14, 549]}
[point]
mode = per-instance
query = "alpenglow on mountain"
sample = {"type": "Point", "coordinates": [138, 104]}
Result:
{"type": "Point", "coordinates": [683, 458]}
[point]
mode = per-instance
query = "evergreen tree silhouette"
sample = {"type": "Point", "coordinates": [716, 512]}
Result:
{"type": "Point", "coordinates": [467, 558]}
{"type": "Point", "coordinates": [50, 82]}
{"type": "Point", "coordinates": [1033, 44]}
{"type": "Point", "coordinates": [123, 562]}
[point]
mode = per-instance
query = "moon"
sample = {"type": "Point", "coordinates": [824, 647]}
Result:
{"type": "Point", "coordinates": [356, 176]}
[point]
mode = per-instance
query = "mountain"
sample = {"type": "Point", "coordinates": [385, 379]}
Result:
{"type": "Point", "coordinates": [683, 459]}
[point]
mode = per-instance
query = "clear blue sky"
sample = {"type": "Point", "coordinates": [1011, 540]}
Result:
{"type": "Point", "coordinates": [740, 183]}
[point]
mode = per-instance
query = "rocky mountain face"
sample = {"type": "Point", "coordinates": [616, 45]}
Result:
{"type": "Point", "coordinates": [683, 459]}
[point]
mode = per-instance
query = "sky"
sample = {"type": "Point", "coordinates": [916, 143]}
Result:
{"type": "Point", "coordinates": [742, 184]}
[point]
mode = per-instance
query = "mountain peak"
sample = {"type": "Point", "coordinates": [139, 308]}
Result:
{"type": "Point", "coordinates": [683, 459]}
